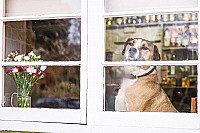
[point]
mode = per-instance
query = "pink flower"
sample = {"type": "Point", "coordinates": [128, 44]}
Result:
{"type": "Point", "coordinates": [7, 59]}
{"type": "Point", "coordinates": [37, 74]}
{"type": "Point", "coordinates": [43, 74]}
{"type": "Point", "coordinates": [31, 70]}
{"type": "Point", "coordinates": [18, 51]}
{"type": "Point", "coordinates": [26, 58]}
{"type": "Point", "coordinates": [43, 68]}
{"type": "Point", "coordinates": [8, 72]}
{"type": "Point", "coordinates": [13, 51]}
{"type": "Point", "coordinates": [19, 69]}
{"type": "Point", "coordinates": [26, 67]}
{"type": "Point", "coordinates": [31, 53]}
{"type": "Point", "coordinates": [18, 58]}
{"type": "Point", "coordinates": [14, 70]}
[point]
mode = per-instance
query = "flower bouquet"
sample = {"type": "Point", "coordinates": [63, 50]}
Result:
{"type": "Point", "coordinates": [25, 77]}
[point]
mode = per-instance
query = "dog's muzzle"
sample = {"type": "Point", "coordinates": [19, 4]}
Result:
{"type": "Point", "coordinates": [132, 52]}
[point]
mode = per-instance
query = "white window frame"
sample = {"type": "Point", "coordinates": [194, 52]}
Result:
{"type": "Point", "coordinates": [97, 52]}
{"type": "Point", "coordinates": [77, 116]}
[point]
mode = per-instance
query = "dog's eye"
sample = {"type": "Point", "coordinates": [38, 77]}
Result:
{"type": "Point", "coordinates": [131, 44]}
{"type": "Point", "coordinates": [145, 48]}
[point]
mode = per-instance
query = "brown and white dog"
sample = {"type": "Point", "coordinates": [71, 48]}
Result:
{"type": "Point", "coordinates": [140, 89]}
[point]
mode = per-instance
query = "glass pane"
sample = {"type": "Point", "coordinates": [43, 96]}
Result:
{"type": "Point", "coordinates": [54, 40]}
{"type": "Point", "coordinates": [156, 89]}
{"type": "Point", "coordinates": [133, 5]}
{"type": "Point", "coordinates": [170, 36]}
{"type": "Point", "coordinates": [38, 7]}
{"type": "Point", "coordinates": [60, 88]}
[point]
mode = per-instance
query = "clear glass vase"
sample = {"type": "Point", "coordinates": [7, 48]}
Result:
{"type": "Point", "coordinates": [24, 101]}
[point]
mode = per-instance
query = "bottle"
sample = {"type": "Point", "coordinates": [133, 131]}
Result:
{"type": "Point", "coordinates": [171, 17]}
{"type": "Point", "coordinates": [164, 56]}
{"type": "Point", "coordinates": [173, 55]}
{"type": "Point", "coordinates": [186, 17]}
{"type": "Point", "coordinates": [129, 20]}
{"type": "Point", "coordinates": [165, 18]}
{"type": "Point", "coordinates": [179, 37]}
{"type": "Point", "coordinates": [124, 20]}
{"type": "Point", "coordinates": [119, 21]}
{"type": "Point", "coordinates": [153, 18]}
{"type": "Point", "coordinates": [134, 20]}
{"type": "Point", "coordinates": [158, 18]}
{"type": "Point", "coordinates": [193, 16]}
{"type": "Point", "coordinates": [173, 81]}
{"type": "Point", "coordinates": [172, 70]}
{"type": "Point", "coordinates": [179, 17]}
{"type": "Point", "coordinates": [173, 37]}
{"type": "Point", "coordinates": [109, 21]}
{"type": "Point", "coordinates": [139, 20]}
{"type": "Point", "coordinates": [185, 37]}
{"type": "Point", "coordinates": [183, 82]}
{"type": "Point", "coordinates": [193, 35]}
{"type": "Point", "coordinates": [167, 38]}
{"type": "Point", "coordinates": [187, 82]}
{"type": "Point", "coordinates": [147, 19]}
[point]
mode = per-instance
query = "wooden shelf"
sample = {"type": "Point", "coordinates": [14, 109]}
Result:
{"type": "Point", "coordinates": [180, 48]}
{"type": "Point", "coordinates": [116, 26]}
{"type": "Point", "coordinates": [177, 87]}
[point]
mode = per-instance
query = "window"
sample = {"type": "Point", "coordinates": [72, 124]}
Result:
{"type": "Point", "coordinates": [59, 37]}
{"type": "Point", "coordinates": [113, 26]}
{"type": "Point", "coordinates": [84, 76]}
{"type": "Point", "coordinates": [175, 36]}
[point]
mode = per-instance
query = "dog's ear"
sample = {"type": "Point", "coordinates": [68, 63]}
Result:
{"type": "Point", "coordinates": [156, 55]}
{"type": "Point", "coordinates": [126, 43]}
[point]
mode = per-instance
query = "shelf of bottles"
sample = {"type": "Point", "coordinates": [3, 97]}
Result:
{"type": "Point", "coordinates": [151, 20]}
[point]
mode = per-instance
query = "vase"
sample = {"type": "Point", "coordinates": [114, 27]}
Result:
{"type": "Point", "coordinates": [24, 101]}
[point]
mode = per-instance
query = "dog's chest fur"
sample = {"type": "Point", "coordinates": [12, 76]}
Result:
{"type": "Point", "coordinates": [121, 102]}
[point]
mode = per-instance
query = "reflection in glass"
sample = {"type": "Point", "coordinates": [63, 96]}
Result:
{"type": "Point", "coordinates": [54, 40]}
{"type": "Point", "coordinates": [178, 82]}
{"type": "Point", "coordinates": [175, 35]}
{"type": "Point", "coordinates": [59, 89]}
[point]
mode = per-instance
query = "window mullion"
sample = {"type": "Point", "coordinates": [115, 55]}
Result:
{"type": "Point", "coordinates": [51, 63]}
{"type": "Point", "coordinates": [159, 63]}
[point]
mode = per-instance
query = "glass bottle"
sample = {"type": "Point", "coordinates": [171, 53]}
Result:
{"type": "Point", "coordinates": [185, 37]}
{"type": "Point", "coordinates": [167, 38]}
{"type": "Point", "coordinates": [179, 37]}
{"type": "Point", "coordinates": [173, 36]}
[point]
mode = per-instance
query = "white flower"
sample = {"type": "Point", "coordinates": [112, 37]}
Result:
{"type": "Point", "coordinates": [31, 70]}
{"type": "Point", "coordinates": [26, 58]}
{"type": "Point", "coordinates": [14, 70]}
{"type": "Point", "coordinates": [31, 53]}
{"type": "Point", "coordinates": [18, 58]}
{"type": "Point", "coordinates": [43, 68]}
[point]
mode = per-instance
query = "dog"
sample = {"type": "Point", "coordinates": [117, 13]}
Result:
{"type": "Point", "coordinates": [140, 89]}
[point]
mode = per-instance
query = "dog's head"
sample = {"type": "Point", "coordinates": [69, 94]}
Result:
{"type": "Point", "coordinates": [141, 50]}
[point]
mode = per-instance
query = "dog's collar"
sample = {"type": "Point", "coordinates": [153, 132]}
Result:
{"type": "Point", "coordinates": [131, 76]}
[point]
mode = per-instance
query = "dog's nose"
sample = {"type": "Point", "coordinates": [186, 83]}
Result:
{"type": "Point", "coordinates": [133, 50]}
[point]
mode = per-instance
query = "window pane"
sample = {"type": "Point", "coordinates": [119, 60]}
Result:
{"type": "Point", "coordinates": [38, 7]}
{"type": "Point", "coordinates": [168, 89]}
{"type": "Point", "coordinates": [60, 88]}
{"type": "Point", "coordinates": [127, 5]}
{"type": "Point", "coordinates": [172, 36]}
{"type": "Point", "coordinates": [54, 40]}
